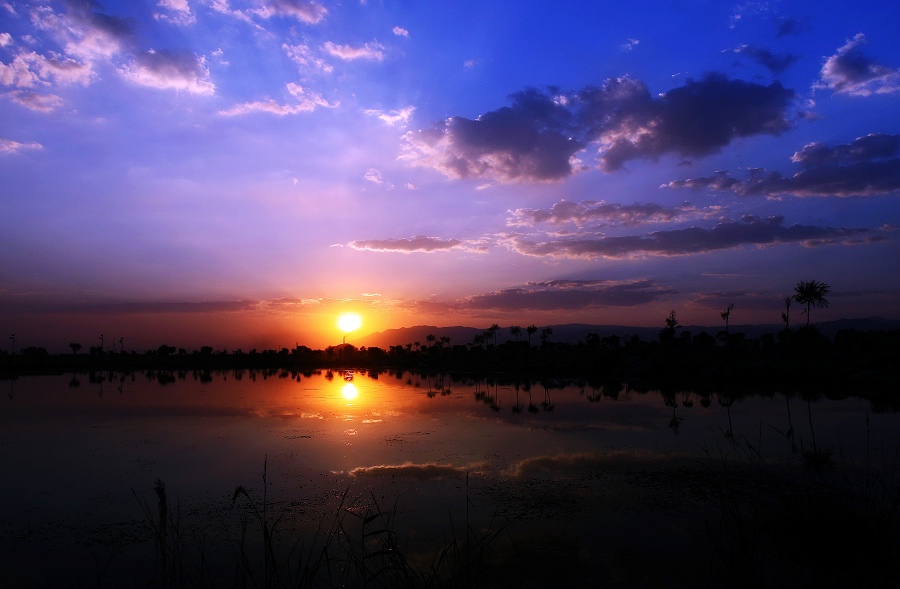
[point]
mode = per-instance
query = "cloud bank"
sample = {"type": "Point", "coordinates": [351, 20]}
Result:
{"type": "Point", "coordinates": [727, 234]}
{"type": "Point", "coordinates": [867, 166]}
{"type": "Point", "coordinates": [537, 137]}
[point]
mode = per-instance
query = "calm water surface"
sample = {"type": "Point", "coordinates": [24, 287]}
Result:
{"type": "Point", "coordinates": [81, 455]}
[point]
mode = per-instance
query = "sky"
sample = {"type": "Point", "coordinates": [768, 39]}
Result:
{"type": "Point", "coordinates": [237, 173]}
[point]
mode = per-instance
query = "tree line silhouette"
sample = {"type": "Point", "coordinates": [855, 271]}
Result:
{"type": "Point", "coordinates": [799, 356]}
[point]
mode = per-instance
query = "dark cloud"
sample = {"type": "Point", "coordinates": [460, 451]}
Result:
{"type": "Point", "coordinates": [538, 136]}
{"type": "Point", "coordinates": [604, 214]}
{"type": "Point", "coordinates": [555, 295]}
{"type": "Point", "coordinates": [727, 234]}
{"type": "Point", "coordinates": [419, 243]}
{"type": "Point", "coordinates": [850, 71]}
{"type": "Point", "coordinates": [791, 26]}
{"type": "Point", "coordinates": [529, 140]}
{"type": "Point", "coordinates": [774, 62]}
{"type": "Point", "coordinates": [867, 166]}
{"type": "Point", "coordinates": [569, 294]}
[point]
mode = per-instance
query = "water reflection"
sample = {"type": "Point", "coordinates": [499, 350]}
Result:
{"type": "Point", "coordinates": [349, 391]}
{"type": "Point", "coordinates": [414, 437]}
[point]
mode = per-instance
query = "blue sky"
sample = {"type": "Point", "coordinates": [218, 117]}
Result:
{"type": "Point", "coordinates": [239, 172]}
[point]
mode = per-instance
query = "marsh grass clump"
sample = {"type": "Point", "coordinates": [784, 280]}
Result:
{"type": "Point", "coordinates": [779, 526]}
{"type": "Point", "coordinates": [357, 545]}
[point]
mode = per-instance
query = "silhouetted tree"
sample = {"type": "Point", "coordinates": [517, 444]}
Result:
{"type": "Point", "coordinates": [75, 347]}
{"type": "Point", "coordinates": [812, 294]}
{"type": "Point", "coordinates": [531, 330]}
{"type": "Point", "coordinates": [671, 321]}
{"type": "Point", "coordinates": [492, 331]}
{"type": "Point", "coordinates": [786, 314]}
{"type": "Point", "coordinates": [726, 314]}
{"type": "Point", "coordinates": [515, 331]}
{"type": "Point", "coordinates": [667, 335]}
{"type": "Point", "coordinates": [545, 334]}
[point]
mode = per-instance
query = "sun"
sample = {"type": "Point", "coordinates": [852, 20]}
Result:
{"type": "Point", "coordinates": [348, 322]}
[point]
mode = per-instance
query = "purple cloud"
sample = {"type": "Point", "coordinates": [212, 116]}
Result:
{"type": "Point", "coordinates": [727, 234]}
{"type": "Point", "coordinates": [175, 70]}
{"type": "Point", "coordinates": [556, 295]}
{"type": "Point", "coordinates": [420, 243]}
{"type": "Point", "coordinates": [131, 308]}
{"type": "Point", "coordinates": [306, 11]}
{"type": "Point", "coordinates": [850, 71]}
{"type": "Point", "coordinates": [867, 166]}
{"type": "Point", "coordinates": [538, 136]}
{"type": "Point", "coordinates": [604, 214]}
{"type": "Point", "coordinates": [774, 62]}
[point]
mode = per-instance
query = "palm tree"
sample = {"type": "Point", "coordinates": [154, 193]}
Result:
{"type": "Point", "coordinates": [786, 315]}
{"type": "Point", "coordinates": [531, 330]}
{"type": "Point", "coordinates": [812, 294]}
{"type": "Point", "coordinates": [75, 347]}
{"type": "Point", "coordinates": [545, 334]}
{"type": "Point", "coordinates": [493, 329]}
{"type": "Point", "coordinates": [515, 331]}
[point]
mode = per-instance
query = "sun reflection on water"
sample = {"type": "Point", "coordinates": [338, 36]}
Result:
{"type": "Point", "coordinates": [349, 391]}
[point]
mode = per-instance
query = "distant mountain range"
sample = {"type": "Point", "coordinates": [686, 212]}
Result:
{"type": "Point", "coordinates": [574, 332]}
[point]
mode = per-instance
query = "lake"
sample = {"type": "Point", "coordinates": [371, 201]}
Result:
{"type": "Point", "coordinates": [557, 482]}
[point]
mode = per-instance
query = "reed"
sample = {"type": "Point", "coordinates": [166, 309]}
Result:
{"type": "Point", "coordinates": [358, 545]}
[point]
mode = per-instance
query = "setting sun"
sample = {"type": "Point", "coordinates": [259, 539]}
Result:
{"type": "Point", "coordinates": [348, 322]}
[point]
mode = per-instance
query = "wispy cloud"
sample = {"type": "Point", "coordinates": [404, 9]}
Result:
{"type": "Point", "coordinates": [393, 117]}
{"type": "Point", "coordinates": [306, 11]}
{"type": "Point", "coordinates": [35, 101]}
{"type": "Point", "coordinates": [177, 12]}
{"type": "Point", "coordinates": [400, 32]}
{"type": "Point", "coordinates": [774, 62]}
{"type": "Point", "coordinates": [371, 51]}
{"type": "Point", "coordinates": [538, 136]}
{"type": "Point", "coordinates": [602, 214]}
{"type": "Point", "coordinates": [420, 244]}
{"type": "Point", "coordinates": [307, 102]}
{"type": "Point", "coordinates": [630, 44]}
{"type": "Point", "coordinates": [8, 146]}
{"type": "Point", "coordinates": [131, 308]}
{"type": "Point", "coordinates": [303, 56]}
